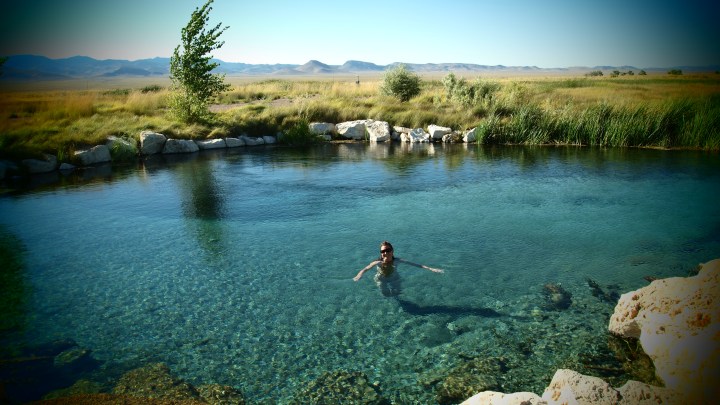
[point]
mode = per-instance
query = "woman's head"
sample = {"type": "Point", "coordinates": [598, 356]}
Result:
{"type": "Point", "coordinates": [386, 250]}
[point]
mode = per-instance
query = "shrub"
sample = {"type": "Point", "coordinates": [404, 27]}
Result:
{"type": "Point", "coordinates": [153, 88]}
{"type": "Point", "coordinates": [401, 83]}
{"type": "Point", "coordinates": [299, 135]}
{"type": "Point", "coordinates": [674, 72]}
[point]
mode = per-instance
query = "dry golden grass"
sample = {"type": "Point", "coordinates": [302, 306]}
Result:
{"type": "Point", "coordinates": [49, 116]}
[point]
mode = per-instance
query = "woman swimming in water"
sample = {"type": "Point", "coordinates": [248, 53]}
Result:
{"type": "Point", "coordinates": [387, 278]}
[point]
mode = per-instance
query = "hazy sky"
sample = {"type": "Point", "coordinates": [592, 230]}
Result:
{"type": "Point", "coordinates": [552, 33]}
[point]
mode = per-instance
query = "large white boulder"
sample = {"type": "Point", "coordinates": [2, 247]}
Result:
{"type": "Point", "coordinates": [678, 323]}
{"type": "Point", "coordinates": [637, 393]}
{"type": "Point", "coordinates": [498, 398]}
{"type": "Point", "coordinates": [151, 142]}
{"type": "Point", "coordinates": [180, 146]}
{"type": "Point", "coordinates": [211, 144]}
{"type": "Point", "coordinates": [269, 139]}
{"type": "Point", "coordinates": [322, 128]}
{"type": "Point", "coordinates": [94, 155]}
{"type": "Point", "coordinates": [378, 131]}
{"type": "Point", "coordinates": [352, 129]}
{"type": "Point", "coordinates": [470, 136]}
{"type": "Point", "coordinates": [415, 135]}
{"type": "Point", "coordinates": [437, 132]}
{"type": "Point", "coordinates": [572, 388]}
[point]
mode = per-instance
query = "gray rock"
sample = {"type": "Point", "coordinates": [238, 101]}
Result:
{"type": "Point", "coordinates": [352, 129]}
{"type": "Point", "coordinates": [234, 142]}
{"type": "Point", "coordinates": [35, 166]}
{"type": "Point", "coordinates": [211, 144]}
{"type": "Point", "coordinates": [322, 128]}
{"type": "Point", "coordinates": [470, 136]}
{"type": "Point", "coordinates": [378, 131]}
{"type": "Point", "coordinates": [252, 141]}
{"type": "Point", "coordinates": [179, 146]}
{"type": "Point", "coordinates": [96, 154]}
{"type": "Point", "coordinates": [437, 132]}
{"type": "Point", "coordinates": [151, 142]}
{"type": "Point", "coordinates": [269, 140]}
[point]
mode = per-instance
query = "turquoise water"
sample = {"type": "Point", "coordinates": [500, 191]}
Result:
{"type": "Point", "coordinates": [235, 267]}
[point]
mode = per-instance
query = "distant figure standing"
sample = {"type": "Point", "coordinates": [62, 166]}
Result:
{"type": "Point", "coordinates": [387, 277]}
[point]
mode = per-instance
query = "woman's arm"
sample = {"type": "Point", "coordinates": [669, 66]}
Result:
{"type": "Point", "coordinates": [368, 267]}
{"type": "Point", "coordinates": [422, 266]}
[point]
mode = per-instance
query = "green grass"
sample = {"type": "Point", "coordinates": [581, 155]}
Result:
{"type": "Point", "coordinates": [646, 111]}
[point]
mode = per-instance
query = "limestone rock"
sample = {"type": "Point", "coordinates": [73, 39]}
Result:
{"type": "Point", "coordinates": [415, 135]}
{"type": "Point", "coordinates": [322, 128]}
{"type": "Point", "coordinates": [570, 387]}
{"type": "Point", "coordinates": [151, 142]}
{"type": "Point", "coordinates": [180, 146]}
{"type": "Point", "coordinates": [211, 144]}
{"type": "Point", "coordinates": [437, 132]}
{"type": "Point", "coordinates": [35, 166]}
{"type": "Point", "coordinates": [269, 140]}
{"type": "Point", "coordinates": [678, 323]}
{"type": "Point", "coordinates": [234, 142]}
{"type": "Point", "coordinates": [94, 155]}
{"type": "Point", "coordinates": [453, 137]}
{"type": "Point", "coordinates": [498, 398]}
{"type": "Point", "coordinates": [352, 129]}
{"type": "Point", "coordinates": [378, 131]}
{"type": "Point", "coordinates": [470, 136]}
{"type": "Point", "coordinates": [637, 393]}
{"type": "Point", "coordinates": [252, 141]}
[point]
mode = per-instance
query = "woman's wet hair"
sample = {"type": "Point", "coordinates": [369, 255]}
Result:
{"type": "Point", "coordinates": [386, 244]}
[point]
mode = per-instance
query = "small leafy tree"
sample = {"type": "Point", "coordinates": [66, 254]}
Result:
{"type": "Point", "coordinates": [191, 68]}
{"type": "Point", "coordinates": [675, 72]}
{"type": "Point", "coordinates": [401, 83]}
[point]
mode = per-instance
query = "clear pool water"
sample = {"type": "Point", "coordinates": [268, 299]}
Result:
{"type": "Point", "coordinates": [235, 267]}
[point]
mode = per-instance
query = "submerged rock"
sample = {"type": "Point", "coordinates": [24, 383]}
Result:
{"type": "Point", "coordinates": [603, 295]}
{"type": "Point", "coordinates": [471, 376]}
{"type": "Point", "coordinates": [340, 387]}
{"type": "Point", "coordinates": [556, 297]}
{"type": "Point", "coordinates": [217, 394]}
{"type": "Point", "coordinates": [155, 381]}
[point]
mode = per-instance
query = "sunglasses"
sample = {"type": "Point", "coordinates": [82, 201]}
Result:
{"type": "Point", "coordinates": [385, 251]}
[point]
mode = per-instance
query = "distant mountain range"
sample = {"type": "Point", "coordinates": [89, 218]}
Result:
{"type": "Point", "coordinates": [33, 67]}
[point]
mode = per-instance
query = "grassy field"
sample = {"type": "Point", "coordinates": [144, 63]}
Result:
{"type": "Point", "coordinates": [648, 111]}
